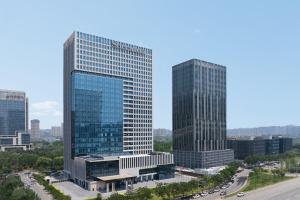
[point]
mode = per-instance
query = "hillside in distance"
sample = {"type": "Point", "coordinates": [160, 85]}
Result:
{"type": "Point", "coordinates": [290, 130]}
{"type": "Point", "coordinates": [162, 134]}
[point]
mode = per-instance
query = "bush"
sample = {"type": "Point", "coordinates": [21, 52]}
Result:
{"type": "Point", "coordinates": [58, 195]}
{"type": "Point", "coordinates": [12, 188]}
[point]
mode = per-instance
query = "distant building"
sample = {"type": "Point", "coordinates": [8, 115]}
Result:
{"type": "Point", "coordinates": [199, 115]}
{"type": "Point", "coordinates": [162, 134]}
{"type": "Point", "coordinates": [14, 120]}
{"type": "Point", "coordinates": [56, 131]}
{"type": "Point", "coordinates": [285, 144]}
{"type": "Point", "coordinates": [35, 128]}
{"type": "Point", "coordinates": [257, 146]}
{"type": "Point", "coordinates": [13, 112]}
{"type": "Point", "coordinates": [272, 146]}
{"type": "Point", "coordinates": [246, 147]}
{"type": "Point", "coordinates": [20, 140]}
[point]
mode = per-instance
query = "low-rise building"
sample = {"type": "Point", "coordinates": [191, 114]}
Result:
{"type": "Point", "coordinates": [20, 140]}
{"type": "Point", "coordinates": [285, 144]}
{"type": "Point", "coordinates": [246, 147]}
{"type": "Point", "coordinates": [115, 172]}
{"type": "Point", "coordinates": [257, 146]}
{"type": "Point", "coordinates": [272, 146]}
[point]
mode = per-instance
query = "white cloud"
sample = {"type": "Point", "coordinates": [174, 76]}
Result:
{"type": "Point", "coordinates": [46, 108]}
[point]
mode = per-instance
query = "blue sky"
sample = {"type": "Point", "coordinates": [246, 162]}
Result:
{"type": "Point", "coordinates": [258, 41]}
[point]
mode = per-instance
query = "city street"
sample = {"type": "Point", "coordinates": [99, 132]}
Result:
{"type": "Point", "coordinates": [287, 190]}
{"type": "Point", "coordinates": [35, 186]}
{"type": "Point", "coordinates": [239, 182]}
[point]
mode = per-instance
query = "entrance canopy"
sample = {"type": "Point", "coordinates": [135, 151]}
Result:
{"type": "Point", "coordinates": [115, 177]}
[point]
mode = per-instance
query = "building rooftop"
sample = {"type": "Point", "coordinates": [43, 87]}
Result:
{"type": "Point", "coordinates": [195, 60]}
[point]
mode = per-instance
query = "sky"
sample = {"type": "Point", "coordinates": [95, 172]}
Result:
{"type": "Point", "coordinates": [258, 42]}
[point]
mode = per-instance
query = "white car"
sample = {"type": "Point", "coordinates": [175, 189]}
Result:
{"type": "Point", "coordinates": [203, 194]}
{"type": "Point", "coordinates": [196, 196]}
{"type": "Point", "coordinates": [240, 194]}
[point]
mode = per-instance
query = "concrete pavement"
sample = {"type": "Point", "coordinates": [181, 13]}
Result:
{"type": "Point", "coordinates": [286, 190]}
{"type": "Point", "coordinates": [35, 186]}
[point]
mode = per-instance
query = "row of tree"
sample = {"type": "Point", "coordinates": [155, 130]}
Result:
{"type": "Point", "coordinates": [165, 146]}
{"type": "Point", "coordinates": [58, 195]}
{"type": "Point", "coordinates": [173, 190]}
{"type": "Point", "coordinates": [12, 188]}
{"type": "Point", "coordinates": [44, 158]}
{"type": "Point", "coordinates": [251, 160]}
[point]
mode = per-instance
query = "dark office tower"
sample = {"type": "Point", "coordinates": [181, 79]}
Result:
{"type": "Point", "coordinates": [13, 112]}
{"type": "Point", "coordinates": [199, 115]}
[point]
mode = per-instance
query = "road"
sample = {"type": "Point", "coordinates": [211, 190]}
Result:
{"type": "Point", "coordinates": [239, 182]}
{"type": "Point", "coordinates": [287, 190]}
{"type": "Point", "coordinates": [35, 186]}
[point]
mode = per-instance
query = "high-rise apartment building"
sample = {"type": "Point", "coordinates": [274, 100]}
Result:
{"type": "Point", "coordinates": [199, 115]}
{"type": "Point", "coordinates": [35, 128]}
{"type": "Point", "coordinates": [107, 109]}
{"type": "Point", "coordinates": [13, 112]}
{"type": "Point", "coordinates": [56, 131]}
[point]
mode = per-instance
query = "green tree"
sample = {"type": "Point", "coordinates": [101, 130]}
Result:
{"type": "Point", "coordinates": [117, 196]}
{"type": "Point", "coordinates": [44, 163]}
{"type": "Point", "coordinates": [160, 190]}
{"type": "Point", "coordinates": [58, 162]}
{"type": "Point", "coordinates": [8, 186]}
{"type": "Point", "coordinates": [22, 194]}
{"type": "Point", "coordinates": [143, 194]}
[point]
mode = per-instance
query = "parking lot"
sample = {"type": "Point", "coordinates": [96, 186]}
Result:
{"type": "Point", "coordinates": [74, 191]}
{"type": "Point", "coordinates": [78, 193]}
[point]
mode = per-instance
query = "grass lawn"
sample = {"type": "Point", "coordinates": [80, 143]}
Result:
{"type": "Point", "coordinates": [263, 179]}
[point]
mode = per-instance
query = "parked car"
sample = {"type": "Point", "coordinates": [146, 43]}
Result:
{"type": "Point", "coordinates": [210, 191]}
{"type": "Point", "coordinates": [240, 194]}
{"type": "Point", "coordinates": [204, 194]}
{"type": "Point", "coordinates": [217, 190]}
{"type": "Point", "coordinates": [223, 187]}
{"type": "Point", "coordinates": [196, 196]}
{"type": "Point", "coordinates": [223, 193]}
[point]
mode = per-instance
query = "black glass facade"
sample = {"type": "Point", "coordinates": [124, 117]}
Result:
{"type": "Point", "coordinates": [199, 106]}
{"type": "Point", "coordinates": [199, 114]}
{"type": "Point", "coordinates": [245, 148]}
{"type": "Point", "coordinates": [97, 114]}
{"type": "Point", "coordinates": [285, 144]}
{"type": "Point", "coordinates": [99, 169]}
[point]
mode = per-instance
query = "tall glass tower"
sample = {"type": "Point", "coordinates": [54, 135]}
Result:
{"type": "Point", "coordinates": [107, 97]}
{"type": "Point", "coordinates": [13, 112]}
{"type": "Point", "coordinates": [199, 115]}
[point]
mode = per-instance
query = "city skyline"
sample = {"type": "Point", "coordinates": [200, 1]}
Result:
{"type": "Point", "coordinates": [258, 84]}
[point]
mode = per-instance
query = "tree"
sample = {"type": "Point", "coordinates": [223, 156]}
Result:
{"type": "Point", "coordinates": [183, 188]}
{"type": "Point", "coordinates": [160, 190]}
{"type": "Point", "coordinates": [58, 162]}
{"type": "Point", "coordinates": [22, 194]}
{"type": "Point", "coordinates": [12, 188]}
{"type": "Point", "coordinates": [175, 188]}
{"type": "Point", "coordinates": [44, 163]}
{"type": "Point", "coordinates": [117, 196]}
{"type": "Point", "coordinates": [99, 196]}
{"type": "Point", "coordinates": [143, 194]}
{"type": "Point", "coordinates": [8, 186]}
